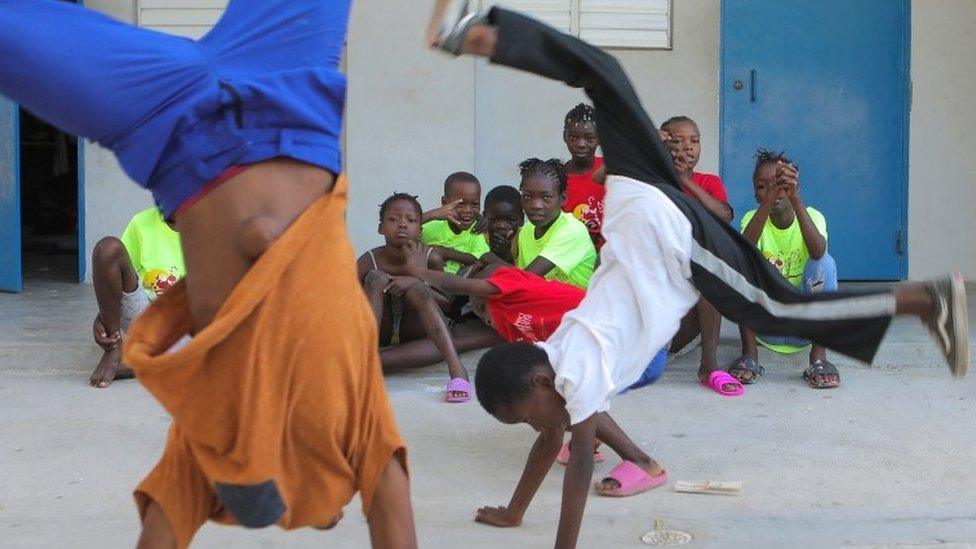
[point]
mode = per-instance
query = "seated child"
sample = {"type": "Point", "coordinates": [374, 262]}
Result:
{"type": "Point", "coordinates": [794, 239]}
{"type": "Point", "coordinates": [684, 142]}
{"type": "Point", "coordinates": [451, 229]}
{"type": "Point", "coordinates": [584, 194]}
{"type": "Point", "coordinates": [404, 310]}
{"type": "Point", "coordinates": [504, 217]}
{"type": "Point", "coordinates": [127, 274]}
{"type": "Point", "coordinates": [554, 245]}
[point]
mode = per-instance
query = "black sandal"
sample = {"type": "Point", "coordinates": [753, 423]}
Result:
{"type": "Point", "coordinates": [746, 364]}
{"type": "Point", "coordinates": [822, 368]}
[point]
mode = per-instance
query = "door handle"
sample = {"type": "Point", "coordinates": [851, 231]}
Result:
{"type": "Point", "coordinates": [752, 86]}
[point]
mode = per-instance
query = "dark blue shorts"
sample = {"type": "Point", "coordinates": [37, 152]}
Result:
{"type": "Point", "coordinates": [176, 112]}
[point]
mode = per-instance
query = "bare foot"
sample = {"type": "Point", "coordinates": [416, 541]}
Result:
{"type": "Point", "coordinates": [333, 523]}
{"type": "Point", "coordinates": [703, 374]}
{"type": "Point", "coordinates": [109, 369]}
{"type": "Point", "coordinates": [650, 467]}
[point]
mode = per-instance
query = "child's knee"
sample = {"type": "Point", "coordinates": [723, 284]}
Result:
{"type": "Point", "coordinates": [419, 293]}
{"type": "Point", "coordinates": [820, 275]}
{"type": "Point", "coordinates": [108, 250]}
{"type": "Point", "coordinates": [375, 281]}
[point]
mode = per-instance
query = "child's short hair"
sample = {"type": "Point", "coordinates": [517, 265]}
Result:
{"type": "Point", "coordinates": [581, 114]}
{"type": "Point", "coordinates": [552, 168]}
{"type": "Point", "coordinates": [504, 374]}
{"type": "Point", "coordinates": [768, 156]}
{"type": "Point", "coordinates": [459, 177]}
{"type": "Point", "coordinates": [681, 119]}
{"type": "Point", "coordinates": [504, 194]}
{"type": "Point", "coordinates": [396, 197]}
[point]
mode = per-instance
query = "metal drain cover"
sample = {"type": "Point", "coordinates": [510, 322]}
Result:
{"type": "Point", "coordinates": [666, 537]}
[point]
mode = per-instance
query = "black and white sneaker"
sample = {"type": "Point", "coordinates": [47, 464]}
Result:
{"type": "Point", "coordinates": [450, 23]}
{"type": "Point", "coordinates": [949, 324]}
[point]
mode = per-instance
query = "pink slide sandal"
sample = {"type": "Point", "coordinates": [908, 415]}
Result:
{"type": "Point", "coordinates": [718, 378]}
{"type": "Point", "coordinates": [457, 384]}
{"type": "Point", "coordinates": [562, 457]}
{"type": "Point", "coordinates": [633, 480]}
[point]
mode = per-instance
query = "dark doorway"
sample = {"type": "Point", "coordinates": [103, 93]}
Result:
{"type": "Point", "coordinates": [49, 201]}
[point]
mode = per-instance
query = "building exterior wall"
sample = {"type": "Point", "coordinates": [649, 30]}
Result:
{"type": "Point", "coordinates": [942, 163]}
{"type": "Point", "coordinates": [414, 116]}
{"type": "Point", "coordinates": [110, 196]}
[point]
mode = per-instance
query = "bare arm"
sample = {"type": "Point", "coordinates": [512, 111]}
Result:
{"type": "Point", "coordinates": [712, 204]}
{"type": "Point", "coordinates": [453, 255]}
{"type": "Point", "coordinates": [576, 483]}
{"type": "Point", "coordinates": [540, 266]}
{"type": "Point", "coordinates": [363, 266]}
{"type": "Point", "coordinates": [445, 212]}
{"type": "Point", "coordinates": [755, 227]}
{"type": "Point", "coordinates": [540, 461]}
{"type": "Point", "coordinates": [452, 284]}
{"type": "Point", "coordinates": [788, 178]}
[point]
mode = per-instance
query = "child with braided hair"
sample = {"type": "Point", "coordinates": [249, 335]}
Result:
{"type": "Point", "coordinates": [554, 244]}
{"type": "Point", "coordinates": [584, 192]}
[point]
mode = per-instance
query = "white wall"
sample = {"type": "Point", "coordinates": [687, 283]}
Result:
{"type": "Point", "coordinates": [409, 116]}
{"type": "Point", "coordinates": [111, 198]}
{"type": "Point", "coordinates": [942, 184]}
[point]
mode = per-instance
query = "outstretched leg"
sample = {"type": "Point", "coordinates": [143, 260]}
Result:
{"type": "Point", "coordinates": [420, 298]}
{"type": "Point", "coordinates": [468, 336]}
{"type": "Point", "coordinates": [113, 278]}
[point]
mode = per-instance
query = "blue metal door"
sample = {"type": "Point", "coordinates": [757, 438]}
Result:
{"type": "Point", "coordinates": [828, 81]}
{"type": "Point", "coordinates": [10, 269]}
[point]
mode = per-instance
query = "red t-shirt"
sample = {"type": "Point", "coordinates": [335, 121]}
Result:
{"type": "Point", "coordinates": [584, 199]}
{"type": "Point", "coordinates": [711, 184]}
{"type": "Point", "coordinates": [529, 307]}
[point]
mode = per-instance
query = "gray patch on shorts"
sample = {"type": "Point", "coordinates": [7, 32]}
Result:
{"type": "Point", "coordinates": [252, 505]}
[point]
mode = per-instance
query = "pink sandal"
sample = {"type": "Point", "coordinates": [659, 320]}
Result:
{"type": "Point", "coordinates": [718, 379]}
{"type": "Point", "coordinates": [633, 480]}
{"type": "Point", "coordinates": [563, 456]}
{"type": "Point", "coordinates": [457, 384]}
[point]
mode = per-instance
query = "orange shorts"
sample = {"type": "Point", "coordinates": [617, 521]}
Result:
{"type": "Point", "coordinates": [280, 412]}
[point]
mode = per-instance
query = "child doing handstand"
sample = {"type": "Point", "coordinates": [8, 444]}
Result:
{"type": "Point", "coordinates": [662, 248]}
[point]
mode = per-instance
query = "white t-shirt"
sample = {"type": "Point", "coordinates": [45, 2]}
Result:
{"type": "Point", "coordinates": [635, 301]}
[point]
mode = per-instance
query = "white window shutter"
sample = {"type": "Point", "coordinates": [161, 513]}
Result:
{"type": "Point", "coordinates": [626, 23]}
{"type": "Point", "coordinates": [556, 13]}
{"type": "Point", "coordinates": [189, 18]}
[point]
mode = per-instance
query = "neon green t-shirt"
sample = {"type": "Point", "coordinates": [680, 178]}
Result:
{"type": "Point", "coordinates": [567, 245]}
{"type": "Point", "coordinates": [439, 233]}
{"type": "Point", "coordinates": [787, 251]}
{"type": "Point", "coordinates": [784, 248]}
{"type": "Point", "coordinates": [155, 251]}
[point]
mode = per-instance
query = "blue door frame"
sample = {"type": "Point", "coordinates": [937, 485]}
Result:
{"type": "Point", "coordinates": [828, 81]}
{"type": "Point", "coordinates": [11, 266]}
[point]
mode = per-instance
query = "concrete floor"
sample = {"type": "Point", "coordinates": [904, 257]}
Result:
{"type": "Point", "coordinates": [884, 461]}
